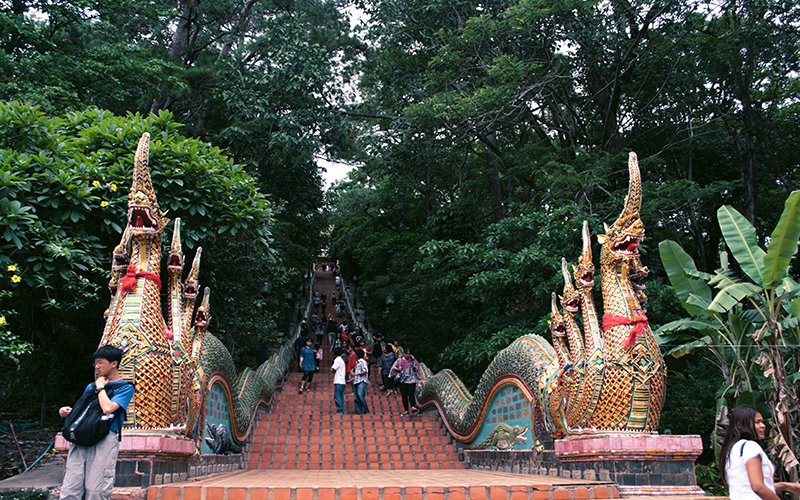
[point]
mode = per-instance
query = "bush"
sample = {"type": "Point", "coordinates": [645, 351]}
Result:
{"type": "Point", "coordinates": [63, 202]}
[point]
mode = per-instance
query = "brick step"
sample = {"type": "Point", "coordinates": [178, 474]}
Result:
{"type": "Point", "coordinates": [356, 443]}
{"type": "Point", "coordinates": [359, 456]}
{"type": "Point", "coordinates": [390, 419]}
{"type": "Point", "coordinates": [407, 427]}
{"type": "Point", "coordinates": [354, 466]}
{"type": "Point", "coordinates": [465, 492]}
{"type": "Point", "coordinates": [288, 447]}
{"type": "Point", "coordinates": [356, 431]}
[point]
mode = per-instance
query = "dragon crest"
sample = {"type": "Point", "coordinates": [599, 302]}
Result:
{"type": "Point", "coordinates": [598, 375]}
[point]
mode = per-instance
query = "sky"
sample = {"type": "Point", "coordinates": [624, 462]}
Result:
{"type": "Point", "coordinates": [333, 171]}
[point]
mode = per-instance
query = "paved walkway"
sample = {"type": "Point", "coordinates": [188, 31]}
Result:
{"type": "Point", "coordinates": [380, 479]}
{"type": "Point", "coordinates": [383, 485]}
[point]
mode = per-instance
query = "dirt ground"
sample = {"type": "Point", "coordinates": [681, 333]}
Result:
{"type": "Point", "coordinates": [33, 442]}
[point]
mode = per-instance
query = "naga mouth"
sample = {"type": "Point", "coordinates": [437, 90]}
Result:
{"type": "Point", "coordinates": [572, 305]}
{"type": "Point", "coordinates": [121, 262]}
{"type": "Point", "coordinates": [190, 291]}
{"type": "Point", "coordinates": [175, 262]}
{"type": "Point", "coordinates": [141, 220]}
{"type": "Point", "coordinates": [559, 330]}
{"type": "Point", "coordinates": [202, 318]}
{"type": "Point", "coordinates": [627, 246]}
{"type": "Point", "coordinates": [637, 278]}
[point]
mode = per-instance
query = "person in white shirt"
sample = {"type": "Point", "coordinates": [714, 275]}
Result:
{"type": "Point", "coordinates": [745, 467]}
{"type": "Point", "coordinates": [339, 380]}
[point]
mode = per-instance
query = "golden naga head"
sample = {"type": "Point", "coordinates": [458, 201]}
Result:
{"type": "Point", "coordinates": [121, 254]}
{"type": "Point", "coordinates": [556, 321]}
{"type": "Point", "coordinates": [584, 271]}
{"type": "Point", "coordinates": [192, 284]}
{"type": "Point", "coordinates": [570, 298]}
{"type": "Point", "coordinates": [623, 238]}
{"type": "Point", "coordinates": [203, 315]}
{"type": "Point", "coordinates": [144, 215]}
{"type": "Point", "coordinates": [175, 262]}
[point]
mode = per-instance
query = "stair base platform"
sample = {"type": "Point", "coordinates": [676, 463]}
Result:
{"type": "Point", "coordinates": [383, 485]}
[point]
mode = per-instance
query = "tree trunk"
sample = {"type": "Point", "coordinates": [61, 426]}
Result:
{"type": "Point", "coordinates": [241, 24]}
{"type": "Point", "coordinates": [495, 190]}
{"type": "Point", "coordinates": [180, 48]}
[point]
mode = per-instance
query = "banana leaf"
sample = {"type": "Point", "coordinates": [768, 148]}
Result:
{"type": "Point", "coordinates": [783, 242]}
{"type": "Point", "coordinates": [676, 262]}
{"type": "Point", "coordinates": [723, 278]}
{"type": "Point", "coordinates": [731, 295]}
{"type": "Point", "coordinates": [698, 301]}
{"type": "Point", "coordinates": [698, 274]}
{"type": "Point", "coordinates": [740, 237]}
{"type": "Point", "coordinates": [685, 324]}
{"type": "Point", "coordinates": [689, 347]}
{"type": "Point", "coordinates": [796, 306]}
{"type": "Point", "coordinates": [790, 322]}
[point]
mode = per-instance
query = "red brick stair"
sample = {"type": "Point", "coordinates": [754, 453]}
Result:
{"type": "Point", "coordinates": [301, 450]}
{"type": "Point", "coordinates": [302, 431]}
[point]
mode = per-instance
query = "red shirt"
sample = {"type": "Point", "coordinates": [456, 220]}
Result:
{"type": "Point", "coordinates": [351, 362]}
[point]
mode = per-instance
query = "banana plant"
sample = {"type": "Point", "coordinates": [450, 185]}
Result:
{"type": "Point", "coordinates": [747, 322]}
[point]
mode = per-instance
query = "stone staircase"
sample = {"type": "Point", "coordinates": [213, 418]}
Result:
{"type": "Point", "coordinates": [302, 431]}
{"type": "Point", "coordinates": [302, 450]}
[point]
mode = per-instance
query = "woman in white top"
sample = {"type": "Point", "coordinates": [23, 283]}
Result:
{"type": "Point", "coordinates": [743, 463]}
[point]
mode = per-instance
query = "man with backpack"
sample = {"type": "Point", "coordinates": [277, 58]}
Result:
{"type": "Point", "coordinates": [91, 467]}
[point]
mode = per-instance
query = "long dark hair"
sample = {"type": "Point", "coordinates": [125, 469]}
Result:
{"type": "Point", "coordinates": [741, 425]}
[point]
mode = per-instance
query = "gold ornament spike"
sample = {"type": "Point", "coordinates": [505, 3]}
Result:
{"type": "Point", "coordinates": [570, 302]}
{"type": "Point", "coordinates": [191, 287]}
{"type": "Point", "coordinates": [175, 291]}
{"type": "Point", "coordinates": [584, 279]}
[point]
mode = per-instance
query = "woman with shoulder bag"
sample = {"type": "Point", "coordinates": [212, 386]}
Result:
{"type": "Point", "coordinates": [409, 374]}
{"type": "Point", "coordinates": [745, 467]}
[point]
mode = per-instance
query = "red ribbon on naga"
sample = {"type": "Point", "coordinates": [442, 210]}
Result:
{"type": "Point", "coordinates": [638, 322]}
{"type": "Point", "coordinates": [128, 282]}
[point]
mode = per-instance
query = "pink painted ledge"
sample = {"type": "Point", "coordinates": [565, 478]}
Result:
{"type": "Point", "coordinates": [134, 442]}
{"type": "Point", "coordinates": [628, 445]}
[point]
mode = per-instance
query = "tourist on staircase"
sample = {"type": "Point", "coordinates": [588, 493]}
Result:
{"type": "Point", "coordinates": [339, 380]}
{"type": "Point", "coordinates": [388, 359]}
{"type": "Point", "coordinates": [360, 381]}
{"type": "Point", "coordinates": [308, 363]}
{"type": "Point", "coordinates": [331, 328]}
{"type": "Point", "coordinates": [300, 342]}
{"type": "Point", "coordinates": [409, 374]}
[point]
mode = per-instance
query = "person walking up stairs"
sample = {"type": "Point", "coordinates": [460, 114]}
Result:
{"type": "Point", "coordinates": [303, 431]}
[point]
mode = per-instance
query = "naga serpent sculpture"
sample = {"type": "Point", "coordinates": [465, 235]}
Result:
{"type": "Point", "coordinates": [596, 377]}
{"type": "Point", "coordinates": [173, 362]}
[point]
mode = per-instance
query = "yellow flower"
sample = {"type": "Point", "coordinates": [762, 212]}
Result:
{"type": "Point", "coordinates": [113, 186]}
{"type": "Point", "coordinates": [11, 268]}
{"type": "Point", "coordinates": [16, 278]}
{"type": "Point", "coordinates": [103, 203]}
{"type": "Point", "coordinates": [96, 184]}
{"type": "Point", "coordinates": [3, 321]}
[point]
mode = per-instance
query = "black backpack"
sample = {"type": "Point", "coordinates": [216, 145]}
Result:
{"type": "Point", "coordinates": [87, 425]}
